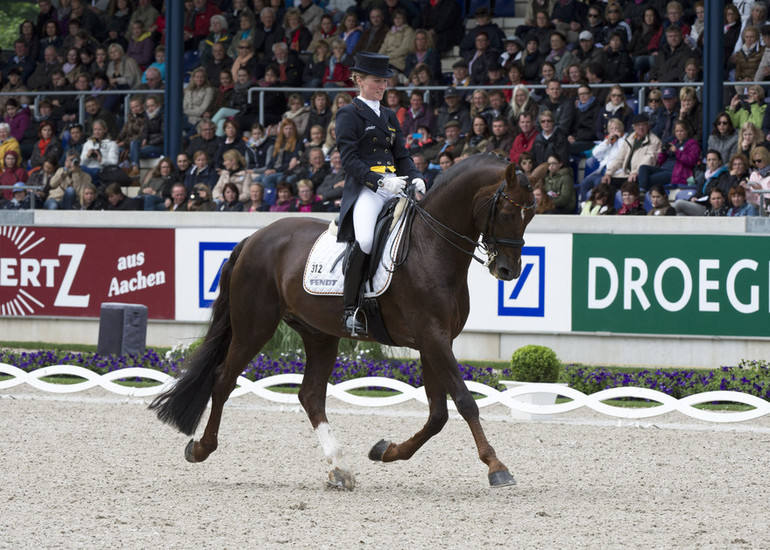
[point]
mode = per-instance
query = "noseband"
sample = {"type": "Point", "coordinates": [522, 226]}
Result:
{"type": "Point", "coordinates": [489, 242]}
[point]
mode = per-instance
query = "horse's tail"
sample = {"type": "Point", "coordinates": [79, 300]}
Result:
{"type": "Point", "coordinates": [183, 404]}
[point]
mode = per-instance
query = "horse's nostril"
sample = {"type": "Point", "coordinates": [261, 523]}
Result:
{"type": "Point", "coordinates": [504, 273]}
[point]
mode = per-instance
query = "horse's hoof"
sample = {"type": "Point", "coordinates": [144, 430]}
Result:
{"type": "Point", "coordinates": [503, 478]}
{"type": "Point", "coordinates": [339, 479]}
{"type": "Point", "coordinates": [188, 452]}
{"type": "Point", "coordinates": [378, 451]}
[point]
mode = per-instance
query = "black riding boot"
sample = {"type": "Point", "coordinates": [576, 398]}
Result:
{"type": "Point", "coordinates": [354, 276]}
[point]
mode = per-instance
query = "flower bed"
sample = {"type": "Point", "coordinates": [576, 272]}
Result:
{"type": "Point", "coordinates": [751, 377]}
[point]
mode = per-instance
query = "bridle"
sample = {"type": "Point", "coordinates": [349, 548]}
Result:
{"type": "Point", "coordinates": [489, 242]}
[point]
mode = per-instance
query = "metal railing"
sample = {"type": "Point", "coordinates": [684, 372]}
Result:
{"type": "Point", "coordinates": [26, 188]}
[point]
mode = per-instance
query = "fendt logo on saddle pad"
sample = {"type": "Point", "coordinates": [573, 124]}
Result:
{"type": "Point", "coordinates": [323, 270]}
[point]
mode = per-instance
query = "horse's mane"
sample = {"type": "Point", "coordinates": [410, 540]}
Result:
{"type": "Point", "coordinates": [470, 164]}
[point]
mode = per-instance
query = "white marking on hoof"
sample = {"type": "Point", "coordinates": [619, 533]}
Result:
{"type": "Point", "coordinates": [341, 474]}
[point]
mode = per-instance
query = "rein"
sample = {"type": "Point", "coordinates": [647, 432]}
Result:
{"type": "Point", "coordinates": [489, 243]}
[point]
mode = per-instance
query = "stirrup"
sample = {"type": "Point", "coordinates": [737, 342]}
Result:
{"type": "Point", "coordinates": [352, 325]}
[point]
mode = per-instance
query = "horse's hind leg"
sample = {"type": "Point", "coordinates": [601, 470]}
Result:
{"type": "Point", "coordinates": [321, 353]}
{"type": "Point", "coordinates": [243, 348]}
{"type": "Point", "coordinates": [437, 418]}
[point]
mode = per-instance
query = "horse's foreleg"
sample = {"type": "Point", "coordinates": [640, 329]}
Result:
{"type": "Point", "coordinates": [498, 474]}
{"type": "Point", "coordinates": [321, 353]}
{"type": "Point", "coordinates": [437, 418]}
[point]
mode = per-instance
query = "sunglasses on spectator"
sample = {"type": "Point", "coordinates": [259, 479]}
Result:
{"type": "Point", "coordinates": [593, 15]}
{"type": "Point", "coordinates": [722, 123]}
{"type": "Point", "coordinates": [654, 100]}
{"type": "Point", "coordinates": [757, 161]}
{"type": "Point", "coordinates": [546, 120]}
{"type": "Point", "coordinates": [613, 11]}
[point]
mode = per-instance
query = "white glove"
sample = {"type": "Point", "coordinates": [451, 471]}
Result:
{"type": "Point", "coordinates": [419, 186]}
{"type": "Point", "coordinates": [393, 184]}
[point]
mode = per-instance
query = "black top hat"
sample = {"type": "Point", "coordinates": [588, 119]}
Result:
{"type": "Point", "coordinates": [373, 63]}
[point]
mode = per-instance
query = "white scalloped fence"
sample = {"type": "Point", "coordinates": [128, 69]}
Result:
{"type": "Point", "coordinates": [490, 396]}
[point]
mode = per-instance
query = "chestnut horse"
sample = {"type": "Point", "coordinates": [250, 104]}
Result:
{"type": "Point", "coordinates": [425, 308]}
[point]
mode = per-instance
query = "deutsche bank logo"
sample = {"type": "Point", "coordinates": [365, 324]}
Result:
{"type": "Point", "coordinates": [525, 296]}
{"type": "Point", "coordinates": [211, 258]}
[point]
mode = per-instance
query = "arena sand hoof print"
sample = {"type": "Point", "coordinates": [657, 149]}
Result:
{"type": "Point", "coordinates": [503, 478]}
{"type": "Point", "coordinates": [338, 479]}
{"type": "Point", "coordinates": [378, 451]}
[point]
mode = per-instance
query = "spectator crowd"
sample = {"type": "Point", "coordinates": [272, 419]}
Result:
{"type": "Point", "coordinates": [584, 58]}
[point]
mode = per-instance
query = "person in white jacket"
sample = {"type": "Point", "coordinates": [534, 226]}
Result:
{"type": "Point", "coordinates": [98, 151]}
{"type": "Point", "coordinates": [604, 152]}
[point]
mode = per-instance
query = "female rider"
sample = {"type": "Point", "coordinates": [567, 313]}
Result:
{"type": "Point", "coordinates": [378, 165]}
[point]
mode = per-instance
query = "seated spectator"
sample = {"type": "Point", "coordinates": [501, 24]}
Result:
{"type": "Point", "coordinates": [746, 60]}
{"type": "Point", "coordinates": [20, 198]}
{"type": "Point", "coordinates": [614, 22]}
{"type": "Point", "coordinates": [515, 78]}
{"type": "Point", "coordinates": [748, 108]}
{"type": "Point", "coordinates": [559, 185]}
{"type": "Point", "coordinates": [750, 137]}
{"type": "Point", "coordinates": [14, 86]}
{"type": "Point", "coordinates": [198, 95]}
{"type": "Point", "coordinates": [220, 107]}
{"type": "Point", "coordinates": [675, 162]}
{"type": "Point", "coordinates": [307, 200]}
{"type": "Point", "coordinates": [98, 152]}
{"type": "Point", "coordinates": [654, 108]}
{"type": "Point", "coordinates": [759, 178]}
{"type": "Point", "coordinates": [319, 113]}
{"type": "Point", "coordinates": [17, 117]}
{"type": "Point", "coordinates": [67, 184]}
{"type": "Point", "coordinates": [337, 73]}
{"type": "Point", "coordinates": [156, 188]}
{"type": "Point", "coordinates": [574, 75]}
{"type": "Point", "coordinates": [28, 33]}
{"type": "Point", "coordinates": [7, 143]}
{"type": "Point", "coordinates": [267, 32]}
{"type": "Point", "coordinates": [284, 200]}
{"type": "Point", "coordinates": [660, 204]}
{"type": "Point", "coordinates": [522, 103]}
{"type": "Point", "coordinates": [132, 132]}
{"type": "Point", "coordinates": [605, 153]}
{"type": "Point", "coordinates": [550, 141]}
{"type": "Point", "coordinates": [452, 110]}
{"type": "Point", "coordinates": [418, 114]}
{"type": "Point", "coordinates": [668, 65]}
{"type": "Point", "coordinates": [421, 163]}
{"type": "Point", "coordinates": [298, 36]}
{"type": "Point", "coordinates": [423, 51]}
{"type": "Point", "coordinates": [218, 34]}
{"type": "Point", "coordinates": [532, 59]}
{"type": "Point", "coordinates": [201, 171]}
{"type": "Point", "coordinates": [716, 175]}
{"type": "Point", "coordinates": [374, 32]}
{"type": "Point", "coordinates": [141, 46]}
{"type": "Point", "coordinates": [645, 42]}
{"type": "Point", "coordinates": [484, 24]}
{"type": "Point", "coordinates": [422, 142]}
{"type": "Point", "coordinates": [587, 52]}
{"type": "Point", "coordinates": [617, 63]}
{"type": "Point", "coordinates": [234, 173]}
{"type": "Point", "coordinates": [631, 205]}
{"type": "Point", "coordinates": [178, 198]}
{"type": "Point", "coordinates": [446, 160]}
{"type": "Point", "coordinates": [154, 75]}
{"type": "Point", "coordinates": [398, 40]}
{"type": "Point", "coordinates": [256, 202]}
{"type": "Point", "coordinates": [525, 138]}
{"type": "Point", "coordinates": [542, 31]}
{"type": "Point", "coordinates": [481, 58]}
{"type": "Point", "coordinates": [326, 32]}
{"type": "Point", "coordinates": [205, 141]}
{"type": "Point", "coordinates": [313, 73]}
{"type": "Point", "coordinates": [257, 148]}
{"type": "Point", "coordinates": [558, 55]}
{"type": "Point", "coordinates": [333, 184]}
{"type": "Point", "coordinates": [288, 145]}
{"type": "Point", "coordinates": [274, 102]}
{"type": "Point", "coordinates": [444, 23]}
{"type": "Point", "coordinates": [739, 170]}
{"type": "Point", "coordinates": [349, 31]}
{"type": "Point", "coordinates": [501, 139]}
{"type": "Point", "coordinates": [453, 142]}
{"type": "Point", "coordinates": [72, 66]}
{"type": "Point", "coordinates": [96, 111]}
{"type": "Point", "coordinates": [732, 30]}
{"type": "Point", "coordinates": [118, 201]}
{"type": "Point", "coordinates": [717, 205]}
{"type": "Point", "coordinates": [639, 148]}
{"type": "Point", "coordinates": [109, 102]}
{"type": "Point", "coordinates": [478, 137]}
{"type": "Point", "coordinates": [587, 113]}
{"type": "Point", "coordinates": [422, 77]}
{"type": "Point", "coordinates": [331, 139]}
{"type": "Point", "coordinates": [150, 143]}
{"type": "Point", "coordinates": [48, 145]}
{"type": "Point", "coordinates": [12, 172]}
{"type": "Point", "coordinates": [740, 207]}
{"type": "Point", "coordinates": [51, 38]}
{"type": "Point", "coordinates": [229, 201]}
{"type": "Point", "coordinates": [124, 73]}
{"type": "Point", "coordinates": [616, 107]}
{"type": "Point", "coordinates": [289, 64]}
{"type": "Point", "coordinates": [42, 178]}
{"type": "Point", "coordinates": [480, 105]}
{"type": "Point", "coordinates": [691, 111]}
{"type": "Point", "coordinates": [200, 199]}
{"type": "Point", "coordinates": [562, 109]}
{"type": "Point", "coordinates": [600, 202]}
{"type": "Point", "coordinates": [595, 76]}
{"type": "Point", "coordinates": [543, 201]}
{"type": "Point", "coordinates": [723, 137]}
{"type": "Point", "coordinates": [75, 141]}
{"type": "Point", "coordinates": [21, 62]}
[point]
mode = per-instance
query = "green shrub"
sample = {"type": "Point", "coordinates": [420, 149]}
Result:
{"type": "Point", "coordinates": [535, 364]}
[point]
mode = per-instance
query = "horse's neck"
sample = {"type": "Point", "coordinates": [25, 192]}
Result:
{"type": "Point", "coordinates": [454, 205]}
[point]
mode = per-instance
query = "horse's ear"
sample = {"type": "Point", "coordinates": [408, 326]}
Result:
{"type": "Point", "coordinates": [538, 173]}
{"type": "Point", "coordinates": [510, 175]}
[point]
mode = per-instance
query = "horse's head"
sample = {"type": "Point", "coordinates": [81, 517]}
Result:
{"type": "Point", "coordinates": [510, 208]}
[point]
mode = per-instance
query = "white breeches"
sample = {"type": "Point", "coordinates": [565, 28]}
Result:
{"type": "Point", "coordinates": [365, 212]}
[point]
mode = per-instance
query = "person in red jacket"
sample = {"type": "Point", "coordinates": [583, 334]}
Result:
{"type": "Point", "coordinates": [526, 137]}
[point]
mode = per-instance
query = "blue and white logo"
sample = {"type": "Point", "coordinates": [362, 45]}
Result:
{"type": "Point", "coordinates": [525, 296]}
{"type": "Point", "coordinates": [211, 257]}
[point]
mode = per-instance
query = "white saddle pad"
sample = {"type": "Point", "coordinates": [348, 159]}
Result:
{"type": "Point", "coordinates": [321, 279]}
